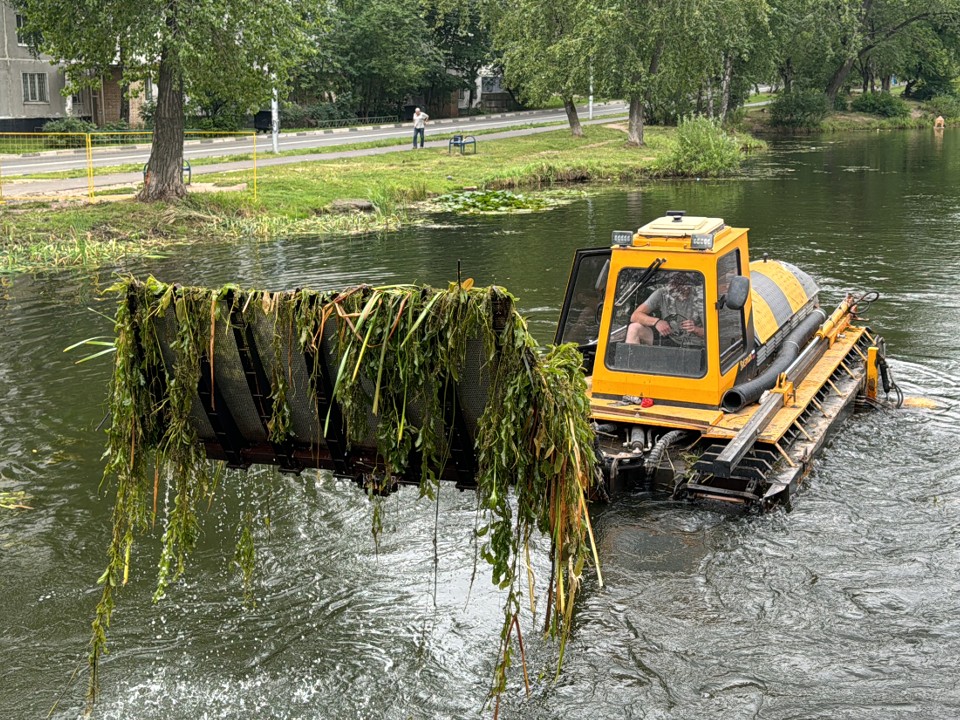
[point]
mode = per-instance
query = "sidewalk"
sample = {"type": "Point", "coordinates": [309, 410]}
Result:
{"type": "Point", "coordinates": [78, 186]}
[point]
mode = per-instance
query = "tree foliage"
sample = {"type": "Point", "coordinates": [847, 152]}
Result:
{"type": "Point", "coordinates": [544, 51]}
{"type": "Point", "coordinates": [232, 50]}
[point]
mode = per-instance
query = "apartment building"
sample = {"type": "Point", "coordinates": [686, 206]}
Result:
{"type": "Point", "coordinates": [31, 88]}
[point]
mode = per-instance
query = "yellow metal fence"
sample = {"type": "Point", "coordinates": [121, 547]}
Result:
{"type": "Point", "coordinates": [93, 166]}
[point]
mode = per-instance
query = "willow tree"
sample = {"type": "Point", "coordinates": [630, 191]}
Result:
{"type": "Point", "coordinates": [868, 25]}
{"type": "Point", "coordinates": [627, 41]}
{"type": "Point", "coordinates": [240, 48]}
{"type": "Point", "coordinates": [544, 50]}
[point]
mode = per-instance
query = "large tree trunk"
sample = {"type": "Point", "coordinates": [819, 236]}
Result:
{"type": "Point", "coordinates": [725, 91]}
{"type": "Point", "coordinates": [572, 117]}
{"type": "Point", "coordinates": [635, 125]}
{"type": "Point", "coordinates": [786, 74]}
{"type": "Point", "coordinates": [164, 176]}
{"type": "Point", "coordinates": [839, 78]}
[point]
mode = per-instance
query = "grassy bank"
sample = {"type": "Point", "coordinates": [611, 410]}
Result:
{"type": "Point", "coordinates": [299, 198]}
{"type": "Point", "coordinates": [756, 119]}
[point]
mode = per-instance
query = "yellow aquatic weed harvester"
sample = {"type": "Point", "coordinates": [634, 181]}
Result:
{"type": "Point", "coordinates": [717, 377]}
{"type": "Point", "coordinates": [709, 375]}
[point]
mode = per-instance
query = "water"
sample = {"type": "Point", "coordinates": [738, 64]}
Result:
{"type": "Point", "coordinates": [847, 607]}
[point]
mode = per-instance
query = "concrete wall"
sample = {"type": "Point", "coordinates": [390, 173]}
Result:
{"type": "Point", "coordinates": [16, 60]}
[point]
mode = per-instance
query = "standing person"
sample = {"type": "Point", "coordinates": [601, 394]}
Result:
{"type": "Point", "coordinates": [419, 119]}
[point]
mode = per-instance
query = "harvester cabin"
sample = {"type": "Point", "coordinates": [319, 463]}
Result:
{"type": "Point", "coordinates": [696, 257]}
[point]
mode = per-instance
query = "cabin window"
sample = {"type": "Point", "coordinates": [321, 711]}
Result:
{"type": "Point", "coordinates": [731, 326]}
{"type": "Point", "coordinates": [657, 325]}
{"type": "Point", "coordinates": [580, 317]}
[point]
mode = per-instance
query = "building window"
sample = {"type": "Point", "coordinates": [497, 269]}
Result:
{"type": "Point", "coordinates": [21, 38]}
{"type": "Point", "coordinates": [35, 87]}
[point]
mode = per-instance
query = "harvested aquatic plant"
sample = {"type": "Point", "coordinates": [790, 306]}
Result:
{"type": "Point", "coordinates": [14, 500]}
{"type": "Point", "coordinates": [383, 363]}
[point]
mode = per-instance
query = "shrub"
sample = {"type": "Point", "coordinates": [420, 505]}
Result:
{"type": "Point", "coordinates": [946, 105]}
{"type": "Point", "coordinates": [67, 125]}
{"type": "Point", "coordinates": [804, 109]}
{"type": "Point", "coordinates": [701, 148]}
{"type": "Point", "coordinates": [928, 88]}
{"type": "Point", "coordinates": [293, 115]}
{"type": "Point", "coordinates": [840, 103]}
{"type": "Point", "coordinates": [881, 104]}
{"type": "Point", "coordinates": [105, 136]}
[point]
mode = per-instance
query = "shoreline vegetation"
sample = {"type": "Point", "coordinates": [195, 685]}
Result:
{"type": "Point", "coordinates": [352, 195]}
{"type": "Point", "coordinates": [381, 192]}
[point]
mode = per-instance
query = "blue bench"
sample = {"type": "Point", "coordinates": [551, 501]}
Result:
{"type": "Point", "coordinates": [461, 142]}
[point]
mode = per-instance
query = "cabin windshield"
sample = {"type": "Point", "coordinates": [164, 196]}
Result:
{"type": "Point", "coordinates": [657, 325]}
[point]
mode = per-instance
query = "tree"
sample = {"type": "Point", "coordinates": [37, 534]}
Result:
{"type": "Point", "coordinates": [821, 43]}
{"type": "Point", "coordinates": [929, 62]}
{"type": "Point", "coordinates": [240, 49]}
{"type": "Point", "coordinates": [385, 51]}
{"type": "Point", "coordinates": [464, 38]}
{"type": "Point", "coordinates": [628, 41]}
{"type": "Point", "coordinates": [544, 51]}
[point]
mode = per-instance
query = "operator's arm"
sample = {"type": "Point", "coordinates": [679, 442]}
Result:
{"type": "Point", "coordinates": [644, 315]}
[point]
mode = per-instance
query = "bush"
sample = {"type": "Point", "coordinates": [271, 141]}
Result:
{"type": "Point", "coordinates": [105, 136]}
{"type": "Point", "coordinates": [804, 110]}
{"type": "Point", "coordinates": [946, 105]}
{"type": "Point", "coordinates": [228, 116]}
{"type": "Point", "coordinates": [293, 115]}
{"type": "Point", "coordinates": [840, 103]}
{"type": "Point", "coordinates": [67, 125]}
{"type": "Point", "coordinates": [929, 88]}
{"type": "Point", "coordinates": [881, 104]}
{"type": "Point", "coordinates": [701, 149]}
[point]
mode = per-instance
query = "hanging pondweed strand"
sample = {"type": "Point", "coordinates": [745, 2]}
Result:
{"type": "Point", "coordinates": [396, 356]}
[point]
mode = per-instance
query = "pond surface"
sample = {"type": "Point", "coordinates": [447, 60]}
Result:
{"type": "Point", "coordinates": [846, 607]}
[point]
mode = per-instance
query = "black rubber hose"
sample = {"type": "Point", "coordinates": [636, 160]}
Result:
{"type": "Point", "coordinates": [745, 393]}
{"type": "Point", "coordinates": [884, 376]}
{"type": "Point", "coordinates": [652, 461]}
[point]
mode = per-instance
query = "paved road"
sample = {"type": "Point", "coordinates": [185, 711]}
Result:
{"type": "Point", "coordinates": [17, 166]}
